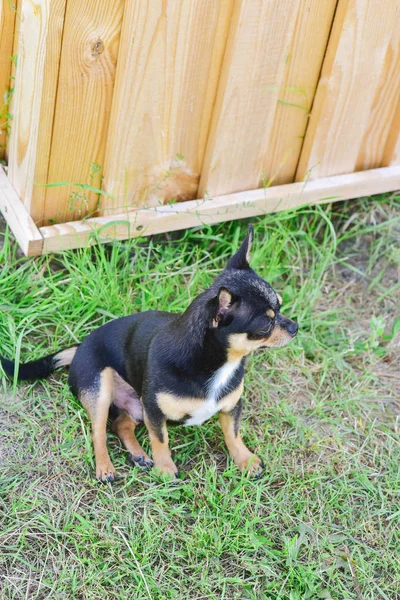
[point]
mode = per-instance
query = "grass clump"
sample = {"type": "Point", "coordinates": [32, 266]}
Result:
{"type": "Point", "coordinates": [323, 413]}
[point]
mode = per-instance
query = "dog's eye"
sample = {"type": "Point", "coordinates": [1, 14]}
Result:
{"type": "Point", "coordinates": [270, 313]}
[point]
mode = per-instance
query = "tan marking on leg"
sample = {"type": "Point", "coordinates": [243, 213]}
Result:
{"type": "Point", "coordinates": [161, 453]}
{"type": "Point", "coordinates": [124, 428]}
{"type": "Point", "coordinates": [242, 457]}
{"type": "Point", "coordinates": [97, 405]}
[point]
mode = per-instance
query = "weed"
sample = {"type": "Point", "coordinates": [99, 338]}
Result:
{"type": "Point", "coordinates": [324, 520]}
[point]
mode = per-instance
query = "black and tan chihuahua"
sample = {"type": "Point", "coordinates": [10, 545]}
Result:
{"type": "Point", "coordinates": [158, 366]}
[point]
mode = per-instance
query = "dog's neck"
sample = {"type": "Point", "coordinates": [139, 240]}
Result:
{"type": "Point", "coordinates": [199, 345]}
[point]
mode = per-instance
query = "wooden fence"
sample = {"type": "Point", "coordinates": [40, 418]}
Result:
{"type": "Point", "coordinates": [185, 112]}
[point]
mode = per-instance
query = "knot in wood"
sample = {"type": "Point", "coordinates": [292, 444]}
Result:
{"type": "Point", "coordinates": [97, 48]}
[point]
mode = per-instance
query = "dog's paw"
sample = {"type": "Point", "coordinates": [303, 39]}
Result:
{"type": "Point", "coordinates": [252, 464]}
{"type": "Point", "coordinates": [166, 469]}
{"type": "Point", "coordinates": [143, 461]}
{"type": "Point", "coordinates": [105, 472]}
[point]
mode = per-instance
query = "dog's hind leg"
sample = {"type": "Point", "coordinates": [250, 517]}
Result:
{"type": "Point", "coordinates": [124, 427]}
{"type": "Point", "coordinates": [130, 415]}
{"type": "Point", "coordinates": [97, 400]}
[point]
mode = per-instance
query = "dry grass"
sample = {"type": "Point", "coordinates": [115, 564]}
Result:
{"type": "Point", "coordinates": [324, 413]}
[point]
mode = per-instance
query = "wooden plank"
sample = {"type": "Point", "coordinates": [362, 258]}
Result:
{"type": "Point", "coordinates": [296, 93]}
{"type": "Point", "coordinates": [391, 155]}
{"type": "Point", "coordinates": [381, 123]}
{"type": "Point", "coordinates": [7, 23]}
{"type": "Point", "coordinates": [253, 70]}
{"type": "Point", "coordinates": [167, 75]}
{"type": "Point", "coordinates": [223, 208]}
{"type": "Point", "coordinates": [354, 68]}
{"type": "Point", "coordinates": [39, 26]}
{"type": "Point", "coordinates": [87, 70]}
{"type": "Point", "coordinates": [17, 217]}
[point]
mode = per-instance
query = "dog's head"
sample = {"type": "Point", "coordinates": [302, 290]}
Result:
{"type": "Point", "coordinates": [245, 314]}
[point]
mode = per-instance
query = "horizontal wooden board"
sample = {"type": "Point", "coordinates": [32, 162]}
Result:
{"type": "Point", "coordinates": [223, 208]}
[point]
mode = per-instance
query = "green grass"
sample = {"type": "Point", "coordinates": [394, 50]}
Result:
{"type": "Point", "coordinates": [323, 522]}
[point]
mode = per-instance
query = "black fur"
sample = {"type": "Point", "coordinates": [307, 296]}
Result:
{"type": "Point", "coordinates": [178, 354]}
{"type": "Point", "coordinates": [160, 350]}
{"type": "Point", "coordinates": [35, 369]}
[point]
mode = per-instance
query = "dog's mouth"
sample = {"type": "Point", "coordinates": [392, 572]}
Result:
{"type": "Point", "coordinates": [280, 336]}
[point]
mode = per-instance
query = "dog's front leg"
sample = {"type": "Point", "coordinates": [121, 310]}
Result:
{"type": "Point", "coordinates": [157, 428]}
{"type": "Point", "coordinates": [242, 457]}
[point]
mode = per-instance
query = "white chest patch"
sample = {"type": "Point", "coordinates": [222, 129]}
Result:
{"type": "Point", "coordinates": [210, 406]}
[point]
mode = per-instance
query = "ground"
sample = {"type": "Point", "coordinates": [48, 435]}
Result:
{"type": "Point", "coordinates": [323, 413]}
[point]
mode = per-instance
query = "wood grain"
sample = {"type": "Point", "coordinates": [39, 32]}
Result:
{"type": "Point", "coordinates": [85, 88]}
{"type": "Point", "coordinates": [223, 208]}
{"type": "Point", "coordinates": [391, 155]}
{"type": "Point", "coordinates": [381, 123]}
{"type": "Point", "coordinates": [168, 69]}
{"type": "Point", "coordinates": [297, 90]}
{"type": "Point", "coordinates": [345, 129]}
{"type": "Point", "coordinates": [18, 219]}
{"type": "Point", "coordinates": [38, 45]}
{"type": "Point", "coordinates": [7, 23]}
{"type": "Point", "coordinates": [253, 70]}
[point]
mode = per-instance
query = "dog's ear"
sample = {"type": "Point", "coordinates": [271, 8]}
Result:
{"type": "Point", "coordinates": [219, 308]}
{"type": "Point", "coordinates": [241, 259]}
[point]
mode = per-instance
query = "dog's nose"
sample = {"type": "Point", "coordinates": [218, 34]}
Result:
{"type": "Point", "coordinates": [292, 328]}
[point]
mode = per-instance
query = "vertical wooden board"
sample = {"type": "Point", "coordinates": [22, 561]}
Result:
{"type": "Point", "coordinates": [167, 75]}
{"type": "Point", "coordinates": [7, 23]}
{"type": "Point", "coordinates": [87, 70]}
{"type": "Point", "coordinates": [391, 154]}
{"type": "Point", "coordinates": [296, 94]}
{"type": "Point", "coordinates": [351, 75]}
{"type": "Point", "coordinates": [38, 43]}
{"type": "Point", "coordinates": [381, 124]}
{"type": "Point", "coordinates": [253, 71]}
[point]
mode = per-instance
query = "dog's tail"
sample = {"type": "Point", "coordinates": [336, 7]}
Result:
{"type": "Point", "coordinates": [39, 369]}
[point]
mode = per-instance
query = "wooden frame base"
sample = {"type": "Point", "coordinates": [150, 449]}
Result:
{"type": "Point", "coordinates": [135, 223]}
{"type": "Point", "coordinates": [21, 224]}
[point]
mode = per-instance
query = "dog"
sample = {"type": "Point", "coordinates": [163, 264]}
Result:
{"type": "Point", "coordinates": [158, 366]}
